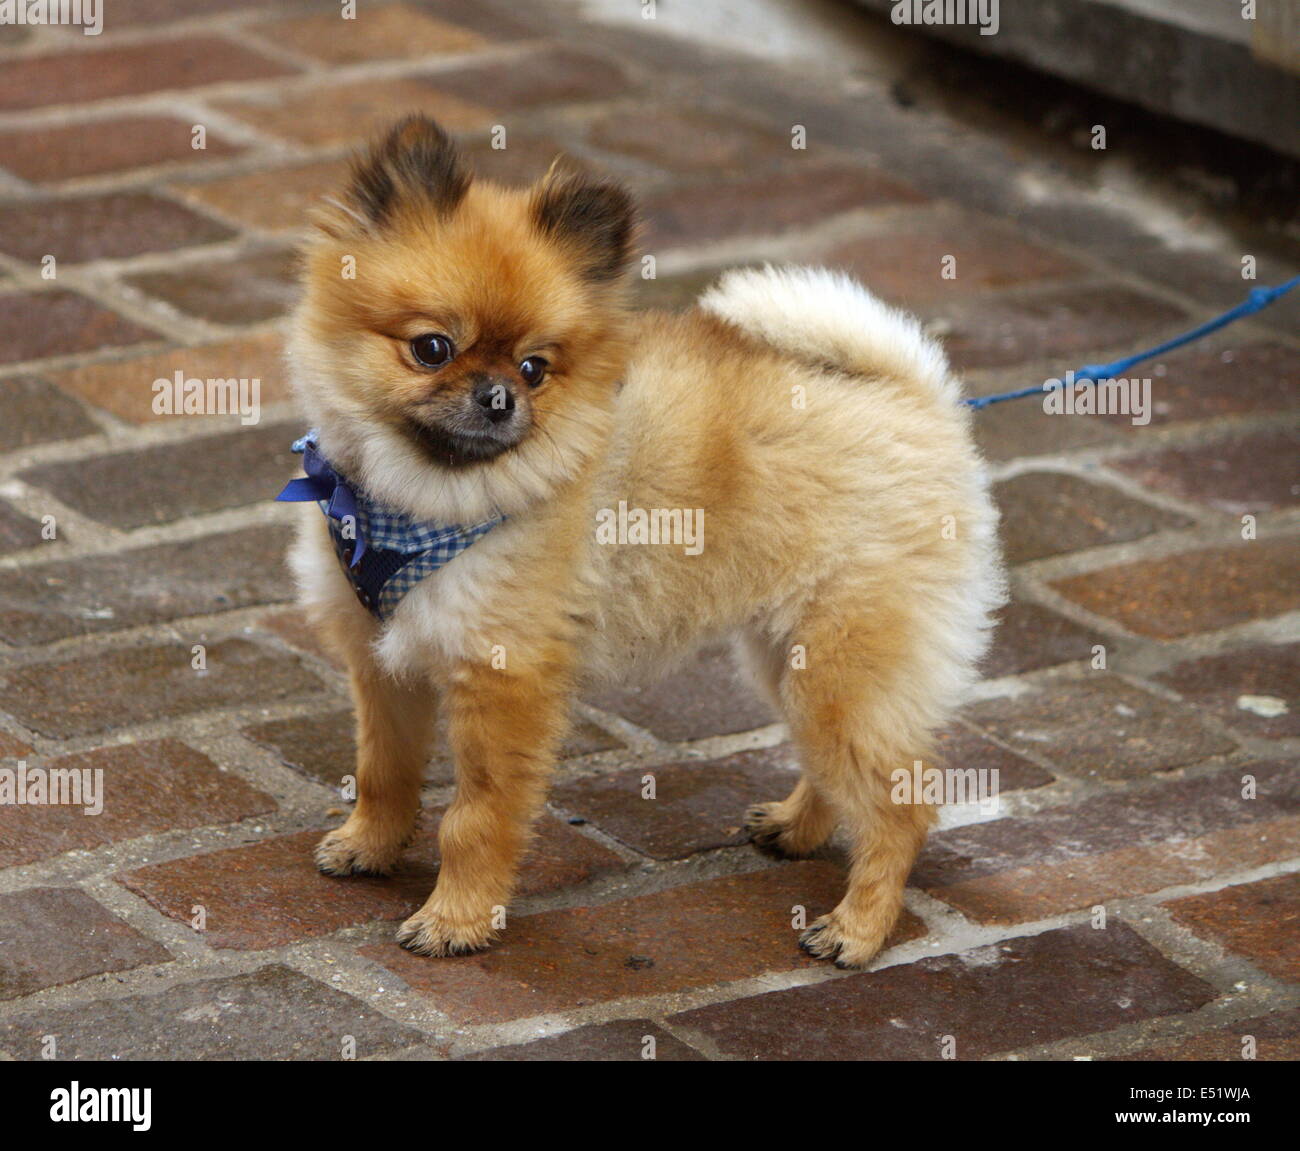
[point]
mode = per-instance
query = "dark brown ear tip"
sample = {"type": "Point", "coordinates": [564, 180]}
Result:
{"type": "Point", "coordinates": [595, 216]}
{"type": "Point", "coordinates": [414, 158]}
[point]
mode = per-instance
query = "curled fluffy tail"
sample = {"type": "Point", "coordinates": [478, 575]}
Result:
{"type": "Point", "coordinates": [824, 316]}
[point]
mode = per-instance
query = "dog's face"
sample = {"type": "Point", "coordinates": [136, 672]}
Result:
{"type": "Point", "coordinates": [459, 342]}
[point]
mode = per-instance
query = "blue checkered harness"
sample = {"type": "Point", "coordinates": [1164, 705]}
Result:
{"type": "Point", "coordinates": [383, 552]}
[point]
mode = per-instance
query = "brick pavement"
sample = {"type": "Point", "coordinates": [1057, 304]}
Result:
{"type": "Point", "coordinates": [1126, 901]}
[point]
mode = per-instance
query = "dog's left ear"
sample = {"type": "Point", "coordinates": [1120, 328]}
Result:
{"type": "Point", "coordinates": [594, 219]}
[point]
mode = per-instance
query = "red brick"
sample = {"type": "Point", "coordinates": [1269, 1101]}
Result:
{"type": "Point", "coordinates": [987, 1001]}
{"type": "Point", "coordinates": [17, 531]}
{"type": "Point", "coordinates": [148, 787]}
{"type": "Point", "coordinates": [270, 893]}
{"type": "Point", "coordinates": [1243, 473]}
{"type": "Point", "coordinates": [125, 387]}
{"type": "Point", "coordinates": [906, 263]}
{"type": "Point", "coordinates": [1193, 591]}
{"type": "Point", "coordinates": [202, 576]}
{"type": "Point", "coordinates": [1096, 724]}
{"type": "Point", "coordinates": [72, 151]}
{"type": "Point", "coordinates": [108, 227]}
{"type": "Point", "coordinates": [1062, 323]}
{"type": "Point", "coordinates": [36, 413]}
{"type": "Point", "coordinates": [134, 685]}
{"type": "Point", "coordinates": [1275, 1037]}
{"type": "Point", "coordinates": [273, 1013]}
{"type": "Point", "coordinates": [558, 76]}
{"type": "Point", "coordinates": [1019, 428]}
{"type": "Point", "coordinates": [769, 205]}
{"type": "Point", "coordinates": [1218, 683]}
{"type": "Point", "coordinates": [1029, 637]}
{"type": "Point", "coordinates": [1199, 383]}
{"type": "Point", "coordinates": [274, 199]}
{"type": "Point", "coordinates": [959, 749]}
{"type": "Point", "coordinates": [167, 482]}
{"type": "Point", "coordinates": [36, 325]}
{"type": "Point", "coordinates": [154, 66]}
{"type": "Point", "coordinates": [387, 32]}
{"type": "Point", "coordinates": [11, 747]}
{"type": "Point", "coordinates": [621, 1041]}
{"type": "Point", "coordinates": [244, 289]}
{"type": "Point", "coordinates": [706, 698]}
{"type": "Point", "coordinates": [1110, 847]}
{"type": "Point", "coordinates": [343, 113]}
{"type": "Point", "coordinates": [1048, 513]}
{"type": "Point", "coordinates": [712, 932]}
{"type": "Point", "coordinates": [1258, 920]}
{"type": "Point", "coordinates": [698, 804]}
{"type": "Point", "coordinates": [57, 935]}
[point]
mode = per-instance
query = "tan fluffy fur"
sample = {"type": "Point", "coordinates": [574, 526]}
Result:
{"type": "Point", "coordinates": [845, 512]}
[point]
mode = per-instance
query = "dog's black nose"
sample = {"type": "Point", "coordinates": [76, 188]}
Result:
{"type": "Point", "coordinates": [495, 398]}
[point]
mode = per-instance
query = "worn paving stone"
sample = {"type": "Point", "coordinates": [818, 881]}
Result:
{"type": "Point", "coordinates": [342, 113]}
{"type": "Point", "coordinates": [1249, 473]}
{"type": "Point", "coordinates": [1195, 591]}
{"type": "Point", "coordinates": [1060, 322]}
{"type": "Point", "coordinates": [674, 293]}
{"type": "Point", "coordinates": [1097, 725]}
{"type": "Point", "coordinates": [11, 747]}
{"type": "Point", "coordinates": [55, 935]}
{"type": "Point", "coordinates": [622, 1040]}
{"type": "Point", "coordinates": [1048, 513]}
{"type": "Point", "coordinates": [989, 1000]}
{"type": "Point", "coordinates": [1110, 847]}
{"type": "Point", "coordinates": [698, 805]}
{"type": "Point", "coordinates": [710, 932]}
{"type": "Point", "coordinates": [125, 387]}
{"type": "Point", "coordinates": [706, 698]}
{"type": "Point", "coordinates": [166, 482]}
{"type": "Point", "coordinates": [1021, 429]}
{"type": "Point", "coordinates": [273, 199]}
{"type": "Point", "coordinates": [38, 413]}
{"type": "Point", "coordinates": [526, 157]}
{"type": "Point", "coordinates": [130, 70]}
{"type": "Point", "coordinates": [960, 749]}
{"type": "Point", "coordinates": [103, 227]}
{"type": "Point", "coordinates": [767, 205]}
{"type": "Point", "coordinates": [34, 325]}
{"type": "Point", "coordinates": [72, 151]}
{"type": "Point", "coordinates": [556, 76]}
{"type": "Point", "coordinates": [90, 694]}
{"type": "Point", "coordinates": [245, 289]}
{"type": "Point", "coordinates": [292, 627]}
{"type": "Point", "coordinates": [271, 1013]}
{"type": "Point", "coordinates": [50, 601]}
{"type": "Point", "coordinates": [1201, 383]}
{"type": "Point", "coordinates": [268, 894]}
{"type": "Point", "coordinates": [17, 532]}
{"type": "Point", "coordinates": [1224, 684]}
{"type": "Point", "coordinates": [1268, 1037]}
{"type": "Point", "coordinates": [907, 263]}
{"type": "Point", "coordinates": [1030, 636]}
{"type": "Point", "coordinates": [694, 142]}
{"type": "Point", "coordinates": [1257, 920]}
{"type": "Point", "coordinates": [391, 31]}
{"type": "Point", "coordinates": [151, 786]}
{"type": "Point", "coordinates": [132, 13]}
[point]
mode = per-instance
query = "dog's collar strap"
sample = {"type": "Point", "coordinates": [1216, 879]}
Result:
{"type": "Point", "coordinates": [384, 553]}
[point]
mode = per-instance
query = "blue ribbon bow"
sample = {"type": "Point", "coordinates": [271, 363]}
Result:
{"type": "Point", "coordinates": [324, 485]}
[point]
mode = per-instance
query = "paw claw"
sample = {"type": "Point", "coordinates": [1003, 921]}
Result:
{"type": "Point", "coordinates": [428, 933]}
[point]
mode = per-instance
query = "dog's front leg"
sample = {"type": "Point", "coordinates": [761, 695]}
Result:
{"type": "Point", "coordinates": [504, 728]}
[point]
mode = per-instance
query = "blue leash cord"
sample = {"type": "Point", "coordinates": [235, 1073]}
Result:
{"type": "Point", "coordinates": [1257, 301]}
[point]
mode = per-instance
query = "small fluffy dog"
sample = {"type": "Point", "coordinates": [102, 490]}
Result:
{"type": "Point", "coordinates": [466, 355]}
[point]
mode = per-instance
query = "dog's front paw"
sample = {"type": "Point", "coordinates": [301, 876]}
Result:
{"type": "Point", "coordinates": [769, 834]}
{"type": "Point", "coordinates": [431, 932]}
{"type": "Point", "coordinates": [831, 937]}
{"type": "Point", "coordinates": [354, 850]}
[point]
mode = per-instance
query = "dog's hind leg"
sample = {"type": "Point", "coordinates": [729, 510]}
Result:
{"type": "Point", "coordinates": [859, 710]}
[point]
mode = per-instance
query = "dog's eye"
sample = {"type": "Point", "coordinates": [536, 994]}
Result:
{"type": "Point", "coordinates": [432, 350]}
{"type": "Point", "coordinates": [533, 369]}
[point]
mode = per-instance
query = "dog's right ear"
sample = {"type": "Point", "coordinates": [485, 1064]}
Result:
{"type": "Point", "coordinates": [414, 165]}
